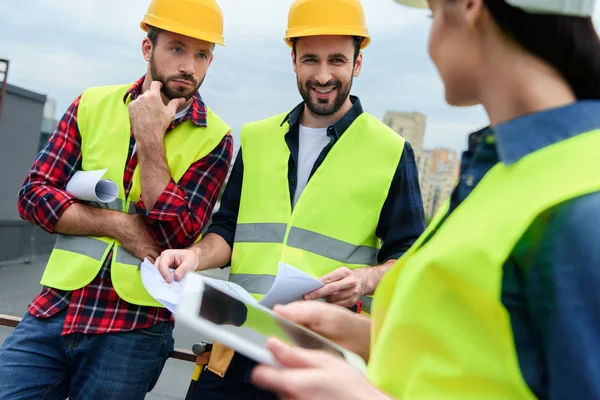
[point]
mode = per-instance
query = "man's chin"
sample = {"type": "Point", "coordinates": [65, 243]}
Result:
{"type": "Point", "coordinates": [177, 95]}
{"type": "Point", "coordinates": [322, 109]}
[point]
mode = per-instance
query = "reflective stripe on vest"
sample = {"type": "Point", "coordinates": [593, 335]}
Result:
{"type": "Point", "coordinates": [93, 248]}
{"type": "Point", "coordinates": [303, 239]}
{"type": "Point", "coordinates": [103, 121]}
{"type": "Point", "coordinates": [440, 329]}
{"type": "Point", "coordinates": [88, 246]}
{"type": "Point", "coordinates": [335, 219]}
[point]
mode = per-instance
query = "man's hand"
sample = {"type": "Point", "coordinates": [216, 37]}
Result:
{"type": "Point", "coordinates": [312, 375]}
{"type": "Point", "coordinates": [343, 287]}
{"type": "Point", "coordinates": [134, 237]}
{"type": "Point", "coordinates": [149, 117]}
{"type": "Point", "coordinates": [182, 261]}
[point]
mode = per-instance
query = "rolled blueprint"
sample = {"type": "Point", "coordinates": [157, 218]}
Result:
{"type": "Point", "coordinates": [89, 186]}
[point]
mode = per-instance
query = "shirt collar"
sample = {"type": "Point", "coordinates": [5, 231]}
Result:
{"type": "Point", "coordinates": [339, 127]}
{"type": "Point", "coordinates": [196, 113]}
{"type": "Point", "coordinates": [517, 138]}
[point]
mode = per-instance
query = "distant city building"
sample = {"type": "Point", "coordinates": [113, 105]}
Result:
{"type": "Point", "coordinates": [438, 173]}
{"type": "Point", "coordinates": [50, 108]}
{"type": "Point", "coordinates": [438, 168]}
{"type": "Point", "coordinates": [411, 126]}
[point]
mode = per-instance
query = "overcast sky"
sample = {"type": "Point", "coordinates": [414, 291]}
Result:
{"type": "Point", "coordinates": [61, 47]}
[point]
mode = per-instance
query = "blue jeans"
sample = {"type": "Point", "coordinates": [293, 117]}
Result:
{"type": "Point", "coordinates": [236, 385]}
{"type": "Point", "coordinates": [36, 362]}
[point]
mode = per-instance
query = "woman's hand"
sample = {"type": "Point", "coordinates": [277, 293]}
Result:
{"type": "Point", "coordinates": [338, 324]}
{"type": "Point", "coordinates": [312, 375]}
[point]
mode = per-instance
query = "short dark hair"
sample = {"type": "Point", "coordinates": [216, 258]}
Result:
{"type": "Point", "coordinates": [570, 44]}
{"type": "Point", "coordinates": [153, 34]}
{"type": "Point", "coordinates": [358, 41]}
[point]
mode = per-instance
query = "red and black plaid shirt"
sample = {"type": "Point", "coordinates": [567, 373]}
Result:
{"type": "Point", "coordinates": [178, 217]}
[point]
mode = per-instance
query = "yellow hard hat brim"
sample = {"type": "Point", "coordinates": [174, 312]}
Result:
{"type": "Point", "coordinates": [182, 30]}
{"type": "Point", "coordinates": [413, 3]}
{"type": "Point", "coordinates": [290, 37]}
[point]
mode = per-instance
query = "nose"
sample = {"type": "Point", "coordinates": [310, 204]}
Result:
{"type": "Point", "coordinates": [187, 66]}
{"type": "Point", "coordinates": [323, 74]}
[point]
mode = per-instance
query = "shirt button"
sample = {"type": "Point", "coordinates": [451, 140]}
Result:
{"type": "Point", "coordinates": [469, 180]}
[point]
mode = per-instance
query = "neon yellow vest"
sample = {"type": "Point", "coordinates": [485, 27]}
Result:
{"type": "Point", "coordinates": [103, 122]}
{"type": "Point", "coordinates": [440, 330]}
{"type": "Point", "coordinates": [334, 222]}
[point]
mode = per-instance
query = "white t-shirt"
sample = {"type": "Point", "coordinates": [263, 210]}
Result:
{"type": "Point", "coordinates": [311, 142]}
{"type": "Point", "coordinates": [182, 113]}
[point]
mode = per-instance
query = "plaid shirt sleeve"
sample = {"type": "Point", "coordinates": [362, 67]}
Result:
{"type": "Point", "coordinates": [42, 198]}
{"type": "Point", "coordinates": [183, 209]}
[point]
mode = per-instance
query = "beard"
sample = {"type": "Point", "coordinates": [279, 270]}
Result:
{"type": "Point", "coordinates": [324, 107]}
{"type": "Point", "coordinates": [179, 91]}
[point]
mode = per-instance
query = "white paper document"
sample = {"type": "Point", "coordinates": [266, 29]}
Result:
{"type": "Point", "coordinates": [290, 285]}
{"type": "Point", "coordinates": [165, 293]}
{"type": "Point", "coordinates": [89, 186]}
{"type": "Point", "coordinates": [232, 289]}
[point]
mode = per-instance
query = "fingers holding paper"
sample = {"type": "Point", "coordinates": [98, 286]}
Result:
{"type": "Point", "coordinates": [182, 261]}
{"type": "Point", "coordinates": [342, 287]}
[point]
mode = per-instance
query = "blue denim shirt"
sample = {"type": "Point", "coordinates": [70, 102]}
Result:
{"type": "Point", "coordinates": [551, 282]}
{"type": "Point", "coordinates": [402, 218]}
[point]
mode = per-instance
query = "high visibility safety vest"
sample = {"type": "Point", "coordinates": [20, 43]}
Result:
{"type": "Point", "coordinates": [334, 221]}
{"type": "Point", "coordinates": [103, 122]}
{"type": "Point", "coordinates": [440, 330]}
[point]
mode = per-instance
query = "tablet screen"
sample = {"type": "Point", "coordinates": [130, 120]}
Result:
{"type": "Point", "coordinates": [256, 324]}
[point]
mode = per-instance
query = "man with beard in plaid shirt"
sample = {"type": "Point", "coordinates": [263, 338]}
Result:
{"type": "Point", "coordinates": [94, 331]}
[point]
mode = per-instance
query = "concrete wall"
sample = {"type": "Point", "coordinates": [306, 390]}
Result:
{"type": "Point", "coordinates": [20, 126]}
{"type": "Point", "coordinates": [23, 242]}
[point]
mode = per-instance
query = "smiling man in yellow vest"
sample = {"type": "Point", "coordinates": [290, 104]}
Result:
{"type": "Point", "coordinates": [94, 331]}
{"type": "Point", "coordinates": [326, 188]}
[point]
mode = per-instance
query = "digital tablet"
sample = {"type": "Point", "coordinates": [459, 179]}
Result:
{"type": "Point", "coordinates": [244, 325]}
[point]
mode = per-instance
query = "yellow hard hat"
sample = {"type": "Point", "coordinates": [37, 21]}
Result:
{"type": "Point", "coordinates": [199, 19]}
{"type": "Point", "coordinates": [326, 17]}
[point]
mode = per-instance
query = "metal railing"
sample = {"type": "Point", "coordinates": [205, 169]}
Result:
{"type": "Point", "coordinates": [178, 354]}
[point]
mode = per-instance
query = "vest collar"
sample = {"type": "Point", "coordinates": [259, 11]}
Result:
{"type": "Point", "coordinates": [521, 136]}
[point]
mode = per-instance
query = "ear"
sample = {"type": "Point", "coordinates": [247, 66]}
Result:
{"type": "Point", "coordinates": [293, 61]}
{"type": "Point", "coordinates": [358, 65]}
{"type": "Point", "coordinates": [471, 11]}
{"type": "Point", "coordinates": [147, 49]}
